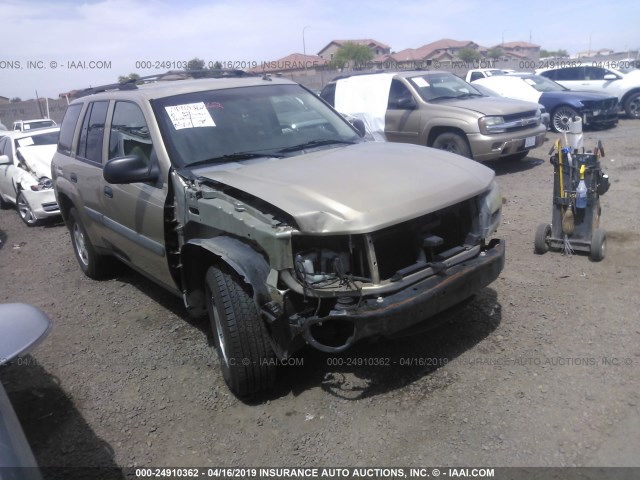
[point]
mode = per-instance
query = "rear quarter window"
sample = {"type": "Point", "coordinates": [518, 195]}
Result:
{"type": "Point", "coordinates": [68, 128]}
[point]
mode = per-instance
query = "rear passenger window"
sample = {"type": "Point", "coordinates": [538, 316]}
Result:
{"type": "Point", "coordinates": [129, 133]}
{"type": "Point", "coordinates": [594, 73]}
{"type": "Point", "coordinates": [68, 128]}
{"type": "Point", "coordinates": [569, 74]}
{"type": "Point", "coordinates": [92, 133]}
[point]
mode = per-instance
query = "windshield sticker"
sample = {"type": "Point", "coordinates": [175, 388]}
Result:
{"type": "Point", "coordinates": [530, 82]}
{"type": "Point", "coordinates": [25, 142]}
{"type": "Point", "coordinates": [420, 82]}
{"type": "Point", "coordinates": [190, 115]}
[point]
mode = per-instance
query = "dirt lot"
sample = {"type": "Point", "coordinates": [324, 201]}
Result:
{"type": "Point", "coordinates": [540, 369]}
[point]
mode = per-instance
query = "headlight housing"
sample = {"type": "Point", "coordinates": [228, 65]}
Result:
{"type": "Point", "coordinates": [492, 124]}
{"type": "Point", "coordinates": [44, 183]}
{"type": "Point", "coordinates": [490, 210]}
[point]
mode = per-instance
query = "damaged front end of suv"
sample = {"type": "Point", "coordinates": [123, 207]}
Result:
{"type": "Point", "coordinates": [336, 254]}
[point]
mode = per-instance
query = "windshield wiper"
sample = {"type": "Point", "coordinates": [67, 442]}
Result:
{"type": "Point", "coordinates": [231, 157]}
{"type": "Point", "coordinates": [314, 143]}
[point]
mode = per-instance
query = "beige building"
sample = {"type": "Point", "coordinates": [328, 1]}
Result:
{"type": "Point", "coordinates": [377, 48]}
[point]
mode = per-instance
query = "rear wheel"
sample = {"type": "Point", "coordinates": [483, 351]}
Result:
{"type": "Point", "coordinates": [452, 142]}
{"type": "Point", "coordinates": [598, 245]}
{"type": "Point", "coordinates": [92, 264]}
{"type": "Point", "coordinates": [246, 357]}
{"type": "Point", "coordinates": [561, 117]}
{"type": "Point", "coordinates": [632, 105]}
{"type": "Point", "coordinates": [25, 211]}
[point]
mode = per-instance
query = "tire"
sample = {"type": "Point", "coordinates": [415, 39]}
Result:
{"type": "Point", "coordinates": [561, 117]}
{"type": "Point", "coordinates": [246, 357]}
{"type": "Point", "coordinates": [92, 264]}
{"type": "Point", "coordinates": [25, 211]}
{"type": "Point", "coordinates": [541, 242]}
{"type": "Point", "coordinates": [452, 142]}
{"type": "Point", "coordinates": [632, 105]}
{"type": "Point", "coordinates": [598, 245]}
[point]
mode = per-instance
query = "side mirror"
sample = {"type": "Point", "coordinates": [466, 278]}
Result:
{"type": "Point", "coordinates": [358, 124]}
{"type": "Point", "coordinates": [611, 76]}
{"type": "Point", "coordinates": [129, 169]}
{"type": "Point", "coordinates": [4, 160]}
{"type": "Point", "coordinates": [406, 103]}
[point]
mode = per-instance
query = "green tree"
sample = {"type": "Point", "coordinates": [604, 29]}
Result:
{"type": "Point", "coordinates": [495, 53]}
{"type": "Point", "coordinates": [217, 66]}
{"type": "Point", "coordinates": [126, 78]}
{"type": "Point", "coordinates": [553, 53]}
{"type": "Point", "coordinates": [196, 64]}
{"type": "Point", "coordinates": [468, 54]}
{"type": "Point", "coordinates": [352, 53]}
{"type": "Point", "coordinates": [16, 100]}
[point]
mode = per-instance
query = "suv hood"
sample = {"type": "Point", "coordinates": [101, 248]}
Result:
{"type": "Point", "coordinates": [357, 188]}
{"type": "Point", "coordinates": [490, 105]}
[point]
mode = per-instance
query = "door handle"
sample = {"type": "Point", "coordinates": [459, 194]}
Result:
{"type": "Point", "coordinates": [73, 177]}
{"type": "Point", "coordinates": [108, 192]}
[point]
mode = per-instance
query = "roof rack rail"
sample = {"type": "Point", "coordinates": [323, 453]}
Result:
{"type": "Point", "coordinates": [171, 75]}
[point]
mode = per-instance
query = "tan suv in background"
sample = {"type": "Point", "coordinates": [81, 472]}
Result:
{"type": "Point", "coordinates": [440, 110]}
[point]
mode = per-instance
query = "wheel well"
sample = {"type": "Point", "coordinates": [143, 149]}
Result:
{"type": "Point", "coordinates": [627, 95]}
{"type": "Point", "coordinates": [65, 205]}
{"type": "Point", "coordinates": [563, 105]}
{"type": "Point", "coordinates": [196, 260]}
{"type": "Point", "coordinates": [435, 131]}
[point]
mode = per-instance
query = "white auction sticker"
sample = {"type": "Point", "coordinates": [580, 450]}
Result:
{"type": "Point", "coordinates": [190, 115]}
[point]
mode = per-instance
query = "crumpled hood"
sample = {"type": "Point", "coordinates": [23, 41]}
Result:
{"type": "Point", "coordinates": [357, 188]}
{"type": "Point", "coordinates": [38, 158]}
{"type": "Point", "coordinates": [490, 105]}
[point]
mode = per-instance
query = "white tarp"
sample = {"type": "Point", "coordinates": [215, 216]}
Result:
{"type": "Point", "coordinates": [365, 97]}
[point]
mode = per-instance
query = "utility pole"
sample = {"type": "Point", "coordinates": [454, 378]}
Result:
{"type": "Point", "coordinates": [304, 46]}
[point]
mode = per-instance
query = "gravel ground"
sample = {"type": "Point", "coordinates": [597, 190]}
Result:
{"type": "Point", "coordinates": [541, 369]}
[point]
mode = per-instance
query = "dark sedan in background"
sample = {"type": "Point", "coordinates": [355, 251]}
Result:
{"type": "Point", "coordinates": [595, 109]}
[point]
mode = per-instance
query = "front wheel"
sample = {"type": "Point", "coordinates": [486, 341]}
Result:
{"type": "Point", "coordinates": [561, 117]}
{"type": "Point", "coordinates": [25, 211]}
{"type": "Point", "coordinates": [452, 142]}
{"type": "Point", "coordinates": [246, 357]}
{"type": "Point", "coordinates": [632, 105]}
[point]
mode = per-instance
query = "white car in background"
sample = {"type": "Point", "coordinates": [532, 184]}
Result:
{"type": "Point", "coordinates": [623, 84]}
{"type": "Point", "coordinates": [24, 125]}
{"type": "Point", "coordinates": [25, 173]}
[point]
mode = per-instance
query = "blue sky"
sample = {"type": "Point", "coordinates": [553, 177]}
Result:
{"type": "Point", "coordinates": [119, 33]}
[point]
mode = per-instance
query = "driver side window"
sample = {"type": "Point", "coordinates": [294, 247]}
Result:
{"type": "Point", "coordinates": [399, 96]}
{"type": "Point", "coordinates": [129, 133]}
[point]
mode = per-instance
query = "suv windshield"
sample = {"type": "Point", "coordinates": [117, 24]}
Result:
{"type": "Point", "coordinates": [227, 125]}
{"type": "Point", "coordinates": [440, 86]}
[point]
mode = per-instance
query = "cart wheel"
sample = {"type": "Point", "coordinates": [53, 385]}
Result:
{"type": "Point", "coordinates": [543, 233]}
{"type": "Point", "coordinates": [598, 245]}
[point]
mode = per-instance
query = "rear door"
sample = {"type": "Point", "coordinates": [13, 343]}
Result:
{"type": "Point", "coordinates": [134, 213]}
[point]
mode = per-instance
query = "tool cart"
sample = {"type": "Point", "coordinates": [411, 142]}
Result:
{"type": "Point", "coordinates": [577, 186]}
